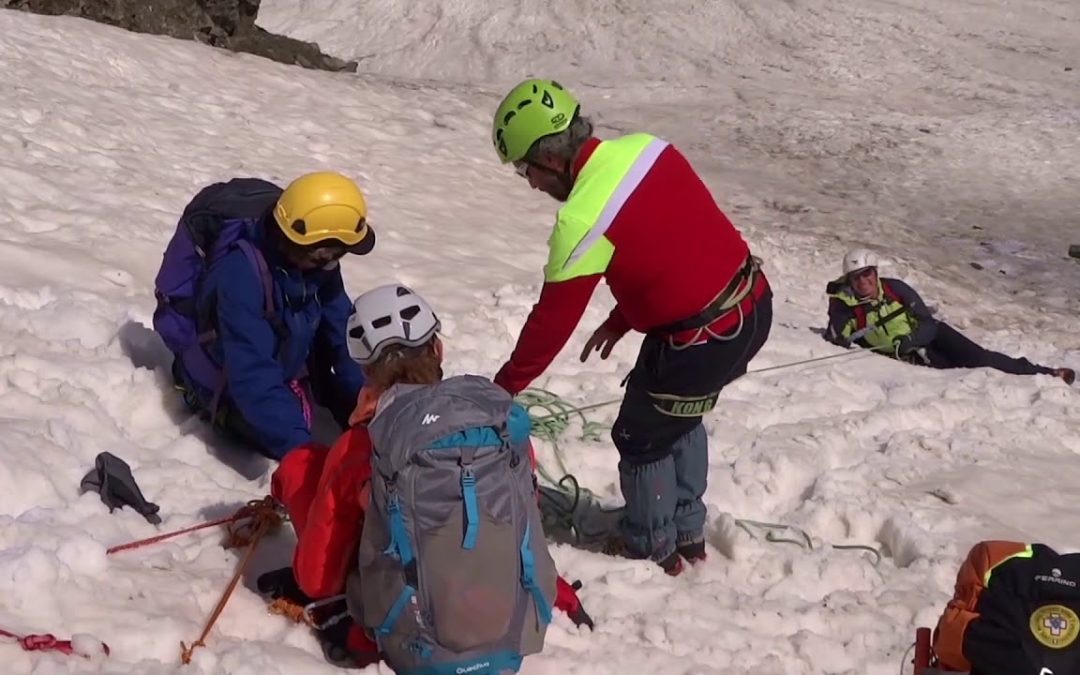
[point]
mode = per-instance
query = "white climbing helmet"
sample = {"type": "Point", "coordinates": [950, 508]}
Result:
{"type": "Point", "coordinates": [859, 259]}
{"type": "Point", "coordinates": [388, 315]}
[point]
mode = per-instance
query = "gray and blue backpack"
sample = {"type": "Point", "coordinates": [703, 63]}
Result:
{"type": "Point", "coordinates": [454, 573]}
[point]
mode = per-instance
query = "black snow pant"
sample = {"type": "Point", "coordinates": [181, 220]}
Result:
{"type": "Point", "coordinates": [951, 349]}
{"type": "Point", "coordinates": [663, 448]}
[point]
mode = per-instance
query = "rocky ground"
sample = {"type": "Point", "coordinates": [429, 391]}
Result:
{"type": "Point", "coordinates": [228, 24]}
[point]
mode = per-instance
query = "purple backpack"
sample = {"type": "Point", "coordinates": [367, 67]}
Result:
{"type": "Point", "coordinates": [219, 217]}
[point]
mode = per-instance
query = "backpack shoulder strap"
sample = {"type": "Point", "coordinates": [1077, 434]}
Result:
{"type": "Point", "coordinates": [262, 271]}
{"type": "Point", "coordinates": [860, 316]}
{"type": "Point", "coordinates": [888, 292]}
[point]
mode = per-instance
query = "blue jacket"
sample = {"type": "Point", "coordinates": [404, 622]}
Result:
{"type": "Point", "coordinates": [314, 309]}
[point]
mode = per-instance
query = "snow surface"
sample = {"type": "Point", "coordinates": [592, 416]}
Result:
{"type": "Point", "coordinates": [806, 118]}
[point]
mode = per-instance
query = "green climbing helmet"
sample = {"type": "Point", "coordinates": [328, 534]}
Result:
{"type": "Point", "coordinates": [532, 110]}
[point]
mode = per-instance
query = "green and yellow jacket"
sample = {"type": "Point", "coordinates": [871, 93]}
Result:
{"type": "Point", "coordinates": [896, 316]}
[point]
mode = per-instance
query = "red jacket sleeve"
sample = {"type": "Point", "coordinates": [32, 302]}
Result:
{"type": "Point", "coordinates": [326, 547]}
{"type": "Point", "coordinates": [549, 326]}
{"type": "Point", "coordinates": [296, 481]}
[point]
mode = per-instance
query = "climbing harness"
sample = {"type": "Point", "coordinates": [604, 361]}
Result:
{"type": "Point", "coordinates": [728, 300]}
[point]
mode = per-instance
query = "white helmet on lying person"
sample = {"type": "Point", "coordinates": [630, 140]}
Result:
{"type": "Point", "coordinates": [388, 315]}
{"type": "Point", "coordinates": [859, 259]}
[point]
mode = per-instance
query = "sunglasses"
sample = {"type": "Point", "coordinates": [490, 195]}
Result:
{"type": "Point", "coordinates": [861, 274]}
{"type": "Point", "coordinates": [324, 255]}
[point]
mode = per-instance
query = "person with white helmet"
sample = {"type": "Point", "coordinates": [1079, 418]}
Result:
{"type": "Point", "coordinates": [393, 335]}
{"type": "Point", "coordinates": [888, 316]}
{"type": "Point", "coordinates": [252, 304]}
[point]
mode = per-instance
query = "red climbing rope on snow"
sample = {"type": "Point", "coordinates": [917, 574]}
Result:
{"type": "Point", "coordinates": [253, 510]}
{"type": "Point", "coordinates": [45, 642]}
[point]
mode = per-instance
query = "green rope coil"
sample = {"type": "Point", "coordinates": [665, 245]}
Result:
{"type": "Point", "coordinates": [558, 420]}
{"type": "Point", "coordinates": [565, 494]}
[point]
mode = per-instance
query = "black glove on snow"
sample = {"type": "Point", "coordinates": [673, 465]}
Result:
{"type": "Point", "coordinates": [111, 478]}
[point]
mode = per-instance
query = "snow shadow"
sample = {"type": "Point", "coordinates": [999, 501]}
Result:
{"type": "Point", "coordinates": [145, 349]}
{"type": "Point", "coordinates": [274, 551]}
{"type": "Point", "coordinates": [571, 517]}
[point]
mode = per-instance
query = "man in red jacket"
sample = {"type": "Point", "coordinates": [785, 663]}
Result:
{"type": "Point", "coordinates": [326, 492]}
{"type": "Point", "coordinates": [636, 213]}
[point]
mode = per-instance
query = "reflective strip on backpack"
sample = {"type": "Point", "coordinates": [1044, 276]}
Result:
{"type": "Point", "coordinates": [528, 577]}
{"type": "Point", "coordinates": [387, 626]}
{"type": "Point", "coordinates": [472, 508]}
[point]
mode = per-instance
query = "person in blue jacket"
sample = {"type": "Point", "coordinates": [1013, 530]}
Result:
{"type": "Point", "coordinates": [253, 305]}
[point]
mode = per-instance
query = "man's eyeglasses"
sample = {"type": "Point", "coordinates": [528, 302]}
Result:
{"type": "Point", "coordinates": [861, 274]}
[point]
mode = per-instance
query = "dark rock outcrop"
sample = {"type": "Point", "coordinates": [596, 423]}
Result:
{"type": "Point", "coordinates": [229, 24]}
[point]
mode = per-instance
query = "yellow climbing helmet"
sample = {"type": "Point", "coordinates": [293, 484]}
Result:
{"type": "Point", "coordinates": [322, 207]}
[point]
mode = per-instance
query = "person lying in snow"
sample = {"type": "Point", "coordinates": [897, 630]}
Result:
{"type": "Point", "coordinates": [341, 535]}
{"type": "Point", "coordinates": [1015, 611]}
{"type": "Point", "coordinates": [252, 304]}
{"type": "Point", "coordinates": [889, 316]}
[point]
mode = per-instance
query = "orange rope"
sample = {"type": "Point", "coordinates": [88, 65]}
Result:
{"type": "Point", "coordinates": [291, 610]}
{"type": "Point", "coordinates": [169, 535]}
{"type": "Point", "coordinates": [263, 516]}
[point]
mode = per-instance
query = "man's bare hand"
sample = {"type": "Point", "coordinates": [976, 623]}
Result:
{"type": "Point", "coordinates": [603, 339]}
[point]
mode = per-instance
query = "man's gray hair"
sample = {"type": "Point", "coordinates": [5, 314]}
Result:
{"type": "Point", "coordinates": [563, 145]}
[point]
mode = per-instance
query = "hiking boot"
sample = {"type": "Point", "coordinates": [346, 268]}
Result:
{"type": "Point", "coordinates": [616, 547]}
{"type": "Point", "coordinates": [693, 552]}
{"type": "Point", "coordinates": [1067, 374]}
{"type": "Point", "coordinates": [672, 565]}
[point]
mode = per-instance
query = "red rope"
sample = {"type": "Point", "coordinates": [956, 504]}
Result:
{"type": "Point", "coordinates": [45, 642]}
{"type": "Point", "coordinates": [169, 535]}
{"type": "Point", "coordinates": [249, 510]}
{"type": "Point", "coordinates": [263, 516]}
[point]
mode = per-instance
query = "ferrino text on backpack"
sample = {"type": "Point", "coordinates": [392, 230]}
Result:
{"type": "Point", "coordinates": [454, 574]}
{"type": "Point", "coordinates": [219, 217]}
